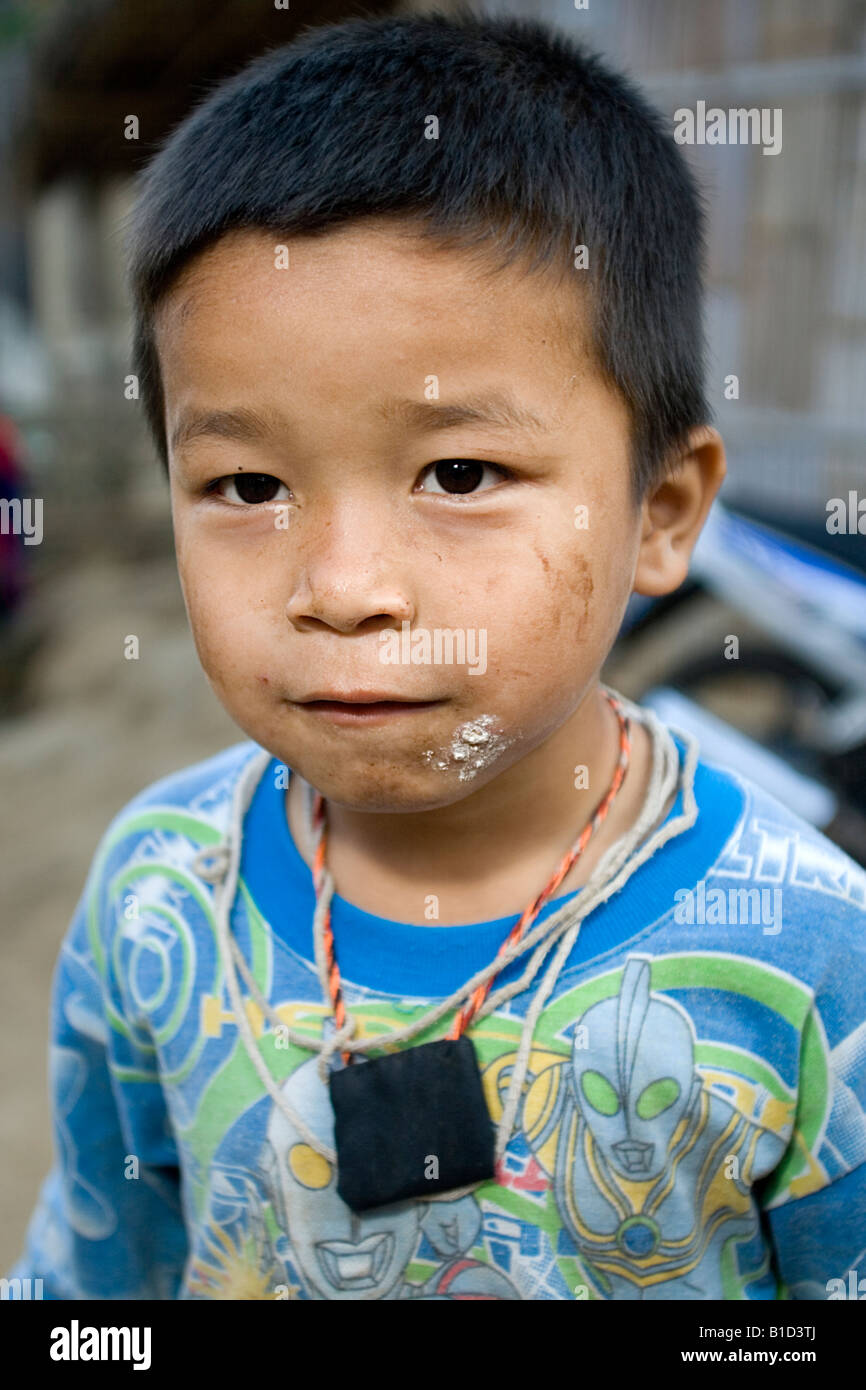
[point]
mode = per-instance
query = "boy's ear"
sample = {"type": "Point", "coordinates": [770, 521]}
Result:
{"type": "Point", "coordinates": [675, 509]}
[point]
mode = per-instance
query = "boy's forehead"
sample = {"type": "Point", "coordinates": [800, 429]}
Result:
{"type": "Point", "coordinates": [367, 316]}
{"type": "Point", "coordinates": [341, 347]}
{"type": "Point", "coordinates": [350, 264]}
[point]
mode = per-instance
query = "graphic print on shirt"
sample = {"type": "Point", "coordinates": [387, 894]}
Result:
{"type": "Point", "coordinates": [628, 1177]}
{"type": "Point", "coordinates": [723, 1046]}
{"type": "Point", "coordinates": [651, 1167]}
{"type": "Point", "coordinates": [316, 1245]}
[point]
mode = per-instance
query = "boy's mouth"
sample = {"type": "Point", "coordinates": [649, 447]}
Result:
{"type": "Point", "coordinates": [363, 707]}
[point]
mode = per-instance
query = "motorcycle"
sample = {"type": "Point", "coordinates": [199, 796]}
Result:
{"type": "Point", "coordinates": [771, 669]}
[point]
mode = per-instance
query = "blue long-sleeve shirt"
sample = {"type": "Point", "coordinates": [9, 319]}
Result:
{"type": "Point", "coordinates": [692, 1124]}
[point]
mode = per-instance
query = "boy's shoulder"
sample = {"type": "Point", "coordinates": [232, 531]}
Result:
{"type": "Point", "coordinates": [205, 788]}
{"type": "Point", "coordinates": [772, 844]}
{"type": "Point", "coordinates": [801, 898]}
{"type": "Point", "coordinates": [173, 817]}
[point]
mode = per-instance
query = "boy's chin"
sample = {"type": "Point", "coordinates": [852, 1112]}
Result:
{"type": "Point", "coordinates": [390, 790]}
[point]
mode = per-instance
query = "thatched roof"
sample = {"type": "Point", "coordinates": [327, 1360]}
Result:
{"type": "Point", "coordinates": [94, 62]}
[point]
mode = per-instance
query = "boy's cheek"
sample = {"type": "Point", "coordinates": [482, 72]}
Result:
{"type": "Point", "coordinates": [578, 598]}
{"type": "Point", "coordinates": [220, 607]}
{"type": "Point", "coordinates": [544, 618]}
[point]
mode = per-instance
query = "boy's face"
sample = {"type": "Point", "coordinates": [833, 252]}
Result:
{"type": "Point", "coordinates": [369, 360]}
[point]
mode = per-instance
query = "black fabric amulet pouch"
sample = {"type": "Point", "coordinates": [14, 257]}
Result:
{"type": "Point", "coordinates": [411, 1124]}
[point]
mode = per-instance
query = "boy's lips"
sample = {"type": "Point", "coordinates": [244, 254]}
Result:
{"type": "Point", "coordinates": [362, 707]}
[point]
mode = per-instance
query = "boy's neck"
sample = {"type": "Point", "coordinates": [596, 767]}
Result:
{"type": "Point", "coordinates": [489, 854]}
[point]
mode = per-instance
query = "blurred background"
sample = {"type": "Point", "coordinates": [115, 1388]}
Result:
{"type": "Point", "coordinates": [82, 729]}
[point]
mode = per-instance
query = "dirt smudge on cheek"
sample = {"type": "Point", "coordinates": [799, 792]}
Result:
{"type": "Point", "coordinates": [577, 581]}
{"type": "Point", "coordinates": [582, 583]}
{"type": "Point", "coordinates": [555, 610]}
{"type": "Point", "coordinates": [572, 583]}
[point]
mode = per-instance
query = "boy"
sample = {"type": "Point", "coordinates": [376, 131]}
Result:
{"type": "Point", "coordinates": [418, 333]}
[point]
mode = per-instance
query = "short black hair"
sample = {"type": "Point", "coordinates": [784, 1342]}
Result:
{"type": "Point", "coordinates": [541, 149]}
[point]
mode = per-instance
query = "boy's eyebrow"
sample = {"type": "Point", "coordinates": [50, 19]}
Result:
{"type": "Point", "coordinates": [243, 424]}
{"type": "Point", "coordinates": [497, 408]}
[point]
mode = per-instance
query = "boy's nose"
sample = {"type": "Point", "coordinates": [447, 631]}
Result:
{"type": "Point", "coordinates": [347, 574]}
{"type": "Point", "coordinates": [348, 603]}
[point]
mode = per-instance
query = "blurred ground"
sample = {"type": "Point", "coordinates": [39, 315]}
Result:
{"type": "Point", "coordinates": [97, 729]}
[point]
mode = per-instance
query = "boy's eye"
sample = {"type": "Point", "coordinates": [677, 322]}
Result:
{"type": "Point", "coordinates": [455, 476]}
{"type": "Point", "coordinates": [248, 489]}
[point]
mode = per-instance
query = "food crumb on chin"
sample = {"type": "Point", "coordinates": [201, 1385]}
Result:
{"type": "Point", "coordinates": [474, 745]}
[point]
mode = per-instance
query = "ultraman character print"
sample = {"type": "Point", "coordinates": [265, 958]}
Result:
{"type": "Point", "coordinates": [641, 1153]}
{"type": "Point", "coordinates": [235, 1258]}
{"type": "Point", "coordinates": [341, 1255]}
